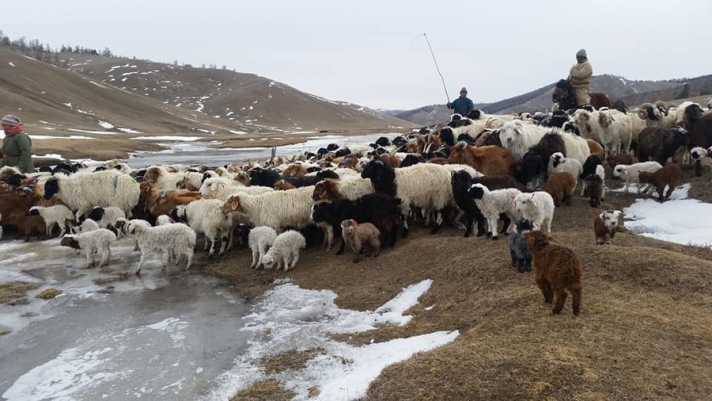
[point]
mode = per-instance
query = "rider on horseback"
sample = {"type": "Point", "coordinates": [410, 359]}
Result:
{"type": "Point", "coordinates": [580, 78]}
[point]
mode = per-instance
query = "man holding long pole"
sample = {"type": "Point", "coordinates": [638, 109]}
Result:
{"type": "Point", "coordinates": [462, 105]}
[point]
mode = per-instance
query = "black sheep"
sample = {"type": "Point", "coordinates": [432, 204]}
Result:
{"type": "Point", "coordinates": [383, 141]}
{"type": "Point", "coordinates": [589, 166]}
{"type": "Point", "coordinates": [659, 144]}
{"type": "Point", "coordinates": [411, 160]}
{"type": "Point", "coordinates": [534, 163]}
{"type": "Point", "coordinates": [462, 181]}
{"type": "Point", "coordinates": [447, 136]}
{"type": "Point", "coordinates": [518, 249]}
{"type": "Point", "coordinates": [242, 233]}
{"type": "Point", "coordinates": [263, 177]}
{"type": "Point", "coordinates": [324, 174]}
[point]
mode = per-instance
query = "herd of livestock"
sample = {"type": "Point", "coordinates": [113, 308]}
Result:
{"type": "Point", "coordinates": [471, 172]}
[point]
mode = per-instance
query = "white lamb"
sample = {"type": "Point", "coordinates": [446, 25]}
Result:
{"type": "Point", "coordinates": [259, 240]}
{"type": "Point", "coordinates": [175, 238]}
{"type": "Point", "coordinates": [59, 215]}
{"type": "Point", "coordinates": [538, 207]}
{"type": "Point", "coordinates": [82, 192]}
{"type": "Point", "coordinates": [518, 137]}
{"type": "Point", "coordinates": [559, 164]}
{"type": "Point", "coordinates": [97, 241]}
{"type": "Point", "coordinates": [285, 250]}
{"type": "Point", "coordinates": [700, 157]}
{"type": "Point", "coordinates": [205, 216]}
{"type": "Point", "coordinates": [630, 173]}
{"type": "Point", "coordinates": [494, 203]}
{"type": "Point", "coordinates": [106, 217]}
{"type": "Point", "coordinates": [86, 226]}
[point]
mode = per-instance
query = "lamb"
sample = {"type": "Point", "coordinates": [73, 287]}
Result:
{"type": "Point", "coordinates": [518, 250]}
{"type": "Point", "coordinates": [96, 241]}
{"type": "Point", "coordinates": [537, 207]}
{"type": "Point", "coordinates": [593, 165]}
{"type": "Point", "coordinates": [81, 192]}
{"type": "Point", "coordinates": [361, 237]}
{"type": "Point", "coordinates": [494, 203]}
{"type": "Point", "coordinates": [700, 157]}
{"type": "Point", "coordinates": [559, 164]}
{"type": "Point", "coordinates": [631, 172]}
{"type": "Point", "coordinates": [178, 239]}
{"type": "Point", "coordinates": [669, 175]}
{"type": "Point", "coordinates": [59, 215]}
{"type": "Point", "coordinates": [259, 240]}
{"type": "Point", "coordinates": [605, 226]}
{"type": "Point", "coordinates": [284, 250]}
{"type": "Point", "coordinates": [561, 187]}
{"type": "Point", "coordinates": [86, 226]}
{"type": "Point", "coordinates": [593, 189]}
{"type": "Point", "coordinates": [27, 226]}
{"type": "Point", "coordinates": [205, 216]}
{"type": "Point", "coordinates": [558, 269]}
{"type": "Point", "coordinates": [106, 217]}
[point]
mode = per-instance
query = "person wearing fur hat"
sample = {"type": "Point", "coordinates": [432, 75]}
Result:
{"type": "Point", "coordinates": [16, 146]}
{"type": "Point", "coordinates": [580, 78]}
{"type": "Point", "coordinates": [462, 105]}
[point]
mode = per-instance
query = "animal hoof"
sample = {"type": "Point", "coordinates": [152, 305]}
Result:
{"type": "Point", "coordinates": [555, 312]}
{"type": "Point", "coordinates": [494, 238]}
{"type": "Point", "coordinates": [467, 235]}
{"type": "Point", "coordinates": [479, 234]}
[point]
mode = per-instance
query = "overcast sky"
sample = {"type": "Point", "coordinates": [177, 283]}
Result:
{"type": "Point", "coordinates": [370, 52]}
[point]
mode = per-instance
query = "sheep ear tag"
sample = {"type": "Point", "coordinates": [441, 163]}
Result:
{"type": "Point", "coordinates": [511, 228]}
{"type": "Point", "coordinates": [355, 223]}
{"type": "Point", "coordinates": [512, 196]}
{"type": "Point", "coordinates": [536, 225]}
{"type": "Point", "coordinates": [27, 190]}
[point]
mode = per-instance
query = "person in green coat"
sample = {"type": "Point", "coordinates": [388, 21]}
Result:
{"type": "Point", "coordinates": [17, 146]}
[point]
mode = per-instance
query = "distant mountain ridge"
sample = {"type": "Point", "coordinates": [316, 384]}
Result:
{"type": "Point", "coordinates": [617, 88]}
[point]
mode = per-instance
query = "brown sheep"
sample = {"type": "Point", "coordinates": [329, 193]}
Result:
{"type": "Point", "coordinates": [596, 148]}
{"type": "Point", "coordinates": [185, 184]}
{"type": "Point", "coordinates": [361, 237]}
{"type": "Point", "coordinates": [561, 187]}
{"type": "Point", "coordinates": [593, 189]}
{"type": "Point", "coordinates": [327, 190]}
{"type": "Point", "coordinates": [558, 269]}
{"type": "Point", "coordinates": [621, 158]}
{"type": "Point", "coordinates": [350, 162]}
{"type": "Point", "coordinates": [489, 137]}
{"type": "Point", "coordinates": [160, 202]}
{"type": "Point", "coordinates": [669, 175]}
{"type": "Point", "coordinates": [605, 226]}
{"type": "Point", "coordinates": [295, 170]}
{"type": "Point", "coordinates": [488, 160]}
{"type": "Point", "coordinates": [27, 226]}
{"type": "Point", "coordinates": [283, 185]}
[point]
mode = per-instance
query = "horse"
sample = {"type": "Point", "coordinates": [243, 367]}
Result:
{"type": "Point", "coordinates": [565, 96]}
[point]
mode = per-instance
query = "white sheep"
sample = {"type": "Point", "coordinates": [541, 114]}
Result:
{"type": "Point", "coordinates": [518, 137]}
{"type": "Point", "coordinates": [700, 157]}
{"type": "Point", "coordinates": [277, 209]}
{"type": "Point", "coordinates": [285, 250]}
{"type": "Point", "coordinates": [493, 203]}
{"type": "Point", "coordinates": [57, 214]}
{"type": "Point", "coordinates": [352, 187]}
{"type": "Point", "coordinates": [86, 226]}
{"type": "Point", "coordinates": [175, 238]}
{"type": "Point", "coordinates": [97, 241]}
{"type": "Point", "coordinates": [656, 115]}
{"type": "Point", "coordinates": [82, 191]}
{"type": "Point", "coordinates": [617, 131]}
{"type": "Point", "coordinates": [559, 164]}
{"type": "Point", "coordinates": [163, 220]}
{"type": "Point", "coordinates": [576, 147]}
{"type": "Point", "coordinates": [221, 188]}
{"type": "Point", "coordinates": [259, 240]}
{"type": "Point", "coordinates": [205, 216]}
{"type": "Point", "coordinates": [538, 207]}
{"type": "Point", "coordinates": [631, 173]}
{"type": "Point", "coordinates": [162, 178]}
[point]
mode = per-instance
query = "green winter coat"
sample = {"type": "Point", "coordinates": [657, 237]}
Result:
{"type": "Point", "coordinates": [17, 152]}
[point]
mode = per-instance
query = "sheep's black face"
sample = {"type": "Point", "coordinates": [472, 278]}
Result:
{"type": "Point", "coordinates": [100, 168]}
{"type": "Point", "coordinates": [372, 169]}
{"type": "Point", "coordinates": [380, 151]}
{"type": "Point", "coordinates": [399, 141]}
{"type": "Point", "coordinates": [524, 225]}
{"type": "Point", "coordinates": [331, 147]}
{"type": "Point", "coordinates": [383, 141]}
{"type": "Point", "coordinates": [97, 213]}
{"type": "Point", "coordinates": [45, 169]}
{"type": "Point", "coordinates": [651, 113]}
{"type": "Point", "coordinates": [447, 136]}
{"type": "Point", "coordinates": [15, 180]}
{"type": "Point", "coordinates": [321, 152]}
{"type": "Point", "coordinates": [531, 164]}
{"type": "Point", "coordinates": [62, 167]}
{"type": "Point", "coordinates": [343, 152]}
{"type": "Point", "coordinates": [476, 192]}
{"type": "Point", "coordinates": [206, 176]}
{"type": "Point", "coordinates": [461, 181]}
{"type": "Point", "coordinates": [324, 174]}
{"type": "Point", "coordinates": [313, 169]}
{"type": "Point", "coordinates": [411, 160]}
{"type": "Point", "coordinates": [321, 212]}
{"type": "Point", "coordinates": [33, 212]}
{"type": "Point", "coordinates": [51, 188]}
{"type": "Point", "coordinates": [474, 114]}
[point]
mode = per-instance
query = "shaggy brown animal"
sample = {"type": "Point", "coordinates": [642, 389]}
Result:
{"type": "Point", "coordinates": [327, 190]}
{"type": "Point", "coordinates": [594, 189]}
{"type": "Point", "coordinates": [295, 170]}
{"type": "Point", "coordinates": [488, 160]}
{"type": "Point", "coordinates": [558, 269]}
{"type": "Point", "coordinates": [27, 226]}
{"type": "Point", "coordinates": [595, 148]}
{"type": "Point", "coordinates": [621, 158]}
{"type": "Point", "coordinates": [488, 138]}
{"type": "Point", "coordinates": [162, 202]}
{"type": "Point", "coordinates": [701, 134]}
{"type": "Point", "coordinates": [561, 187]}
{"type": "Point", "coordinates": [283, 185]}
{"type": "Point", "coordinates": [350, 162]}
{"type": "Point", "coordinates": [605, 226]}
{"type": "Point", "coordinates": [361, 237]}
{"type": "Point", "coordinates": [670, 175]}
{"type": "Point", "coordinates": [185, 184]}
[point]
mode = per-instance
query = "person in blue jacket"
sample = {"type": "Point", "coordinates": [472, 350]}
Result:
{"type": "Point", "coordinates": [462, 105]}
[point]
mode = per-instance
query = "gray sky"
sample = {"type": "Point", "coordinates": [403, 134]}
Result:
{"type": "Point", "coordinates": [369, 53]}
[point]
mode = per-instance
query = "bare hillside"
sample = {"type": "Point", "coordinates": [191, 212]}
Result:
{"type": "Point", "coordinates": [250, 100]}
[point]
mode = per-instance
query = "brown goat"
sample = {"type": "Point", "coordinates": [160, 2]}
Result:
{"type": "Point", "coordinates": [283, 185]}
{"type": "Point", "coordinates": [557, 269]}
{"type": "Point", "coordinates": [160, 202]}
{"type": "Point", "coordinates": [670, 175]}
{"type": "Point", "coordinates": [488, 137]}
{"type": "Point", "coordinates": [488, 160]}
{"type": "Point", "coordinates": [605, 226]}
{"type": "Point", "coordinates": [350, 162]}
{"type": "Point", "coordinates": [361, 237]}
{"type": "Point", "coordinates": [327, 190]}
{"type": "Point", "coordinates": [596, 148]}
{"type": "Point", "coordinates": [594, 189]}
{"type": "Point", "coordinates": [27, 226]}
{"type": "Point", "coordinates": [295, 170]}
{"type": "Point", "coordinates": [561, 187]}
{"type": "Point", "coordinates": [621, 158]}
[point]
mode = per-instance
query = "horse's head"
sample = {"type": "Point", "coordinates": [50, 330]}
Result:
{"type": "Point", "coordinates": [563, 94]}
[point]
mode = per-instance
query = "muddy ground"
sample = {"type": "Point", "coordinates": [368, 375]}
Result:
{"type": "Point", "coordinates": [644, 332]}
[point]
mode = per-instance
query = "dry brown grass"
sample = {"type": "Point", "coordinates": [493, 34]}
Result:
{"type": "Point", "coordinates": [266, 390]}
{"type": "Point", "coordinates": [49, 293]}
{"type": "Point", "coordinates": [290, 360]}
{"type": "Point", "coordinates": [645, 329]}
{"type": "Point", "coordinates": [111, 279]}
{"type": "Point", "coordinates": [13, 292]}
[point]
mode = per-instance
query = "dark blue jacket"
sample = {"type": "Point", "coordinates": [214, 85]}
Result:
{"type": "Point", "coordinates": [462, 106]}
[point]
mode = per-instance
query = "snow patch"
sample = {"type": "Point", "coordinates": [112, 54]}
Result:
{"type": "Point", "coordinates": [106, 125]}
{"type": "Point", "coordinates": [128, 130]}
{"type": "Point", "coordinates": [92, 132]}
{"type": "Point", "coordinates": [11, 64]}
{"type": "Point", "coordinates": [168, 138]}
{"type": "Point", "coordinates": [41, 137]}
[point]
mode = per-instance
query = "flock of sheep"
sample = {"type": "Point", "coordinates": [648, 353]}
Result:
{"type": "Point", "coordinates": [476, 170]}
